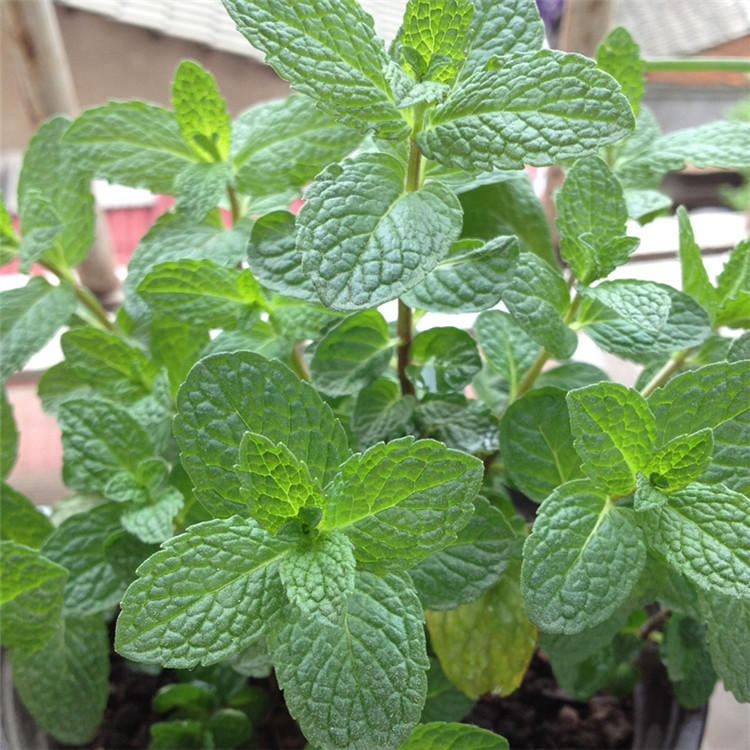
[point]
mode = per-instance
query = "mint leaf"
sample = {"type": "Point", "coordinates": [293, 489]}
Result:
{"type": "Point", "coordinates": [591, 216]}
{"type": "Point", "coordinates": [23, 522]}
{"type": "Point", "coordinates": [458, 422]}
{"type": "Point", "coordinates": [401, 501]}
{"type": "Point", "coordinates": [218, 403]}
{"type": "Point", "coordinates": [283, 144]}
{"type": "Point", "coordinates": [645, 205]}
{"type": "Point", "coordinates": [537, 444]}
{"type": "Point", "coordinates": [343, 72]}
{"type": "Point", "coordinates": [78, 545]}
{"type": "Point", "coordinates": [509, 115]}
{"type": "Point", "coordinates": [580, 545]}
{"type": "Point", "coordinates": [734, 288]}
{"type": "Point", "coordinates": [8, 435]}
{"type": "Point", "coordinates": [570, 375]}
{"type": "Point", "coordinates": [153, 521]}
{"type": "Point", "coordinates": [695, 280]}
{"type": "Point", "coordinates": [739, 348]}
{"type": "Point", "coordinates": [614, 433]}
{"type": "Point", "coordinates": [508, 207]}
{"type": "Point", "coordinates": [680, 461]}
{"type": "Point", "coordinates": [29, 318]}
{"type": "Point", "coordinates": [471, 278]}
{"type": "Point", "coordinates": [200, 111]}
{"type": "Point", "coordinates": [380, 411]}
{"type": "Point", "coordinates": [704, 532]}
{"type": "Point", "coordinates": [199, 188]}
{"type": "Point", "coordinates": [360, 684]}
{"type": "Point", "coordinates": [176, 345]}
{"type": "Point", "coordinates": [351, 354]}
{"type": "Point", "coordinates": [444, 702]}
{"type": "Point", "coordinates": [232, 587]}
{"type": "Point", "coordinates": [364, 239]}
{"type": "Point", "coordinates": [8, 238]}
{"type": "Point", "coordinates": [275, 259]}
{"type": "Point", "coordinates": [509, 350]}
{"type": "Point", "coordinates": [31, 596]}
{"type": "Point", "coordinates": [99, 438]}
{"type": "Point", "coordinates": [485, 645]}
{"type": "Point", "coordinates": [462, 571]}
{"type": "Point", "coordinates": [319, 576]}
{"type": "Point", "coordinates": [648, 492]}
{"type": "Point", "coordinates": [443, 360]}
{"type": "Point", "coordinates": [537, 298]}
{"type": "Point", "coordinates": [53, 186]}
{"type": "Point", "coordinates": [279, 483]}
{"type": "Point", "coordinates": [441, 735]}
{"type": "Point", "coordinates": [297, 321]}
{"type": "Point", "coordinates": [65, 684]}
{"type": "Point", "coordinates": [131, 143]}
{"type": "Point", "coordinates": [200, 291]}
{"type": "Point", "coordinates": [620, 56]}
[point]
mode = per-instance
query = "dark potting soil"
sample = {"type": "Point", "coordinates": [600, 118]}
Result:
{"type": "Point", "coordinates": [537, 715]}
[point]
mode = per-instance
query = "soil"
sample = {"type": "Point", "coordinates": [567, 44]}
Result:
{"type": "Point", "coordinates": [537, 715]}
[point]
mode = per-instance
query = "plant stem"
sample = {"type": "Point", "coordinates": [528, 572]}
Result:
{"type": "Point", "coordinates": [661, 377]}
{"type": "Point", "coordinates": [655, 622]}
{"type": "Point", "coordinates": [723, 64]}
{"type": "Point", "coordinates": [404, 330]}
{"type": "Point", "coordinates": [234, 203]}
{"type": "Point", "coordinates": [298, 365]}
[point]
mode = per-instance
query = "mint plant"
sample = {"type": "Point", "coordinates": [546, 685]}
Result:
{"type": "Point", "coordinates": [268, 472]}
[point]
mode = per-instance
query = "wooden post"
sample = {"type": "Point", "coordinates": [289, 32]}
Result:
{"type": "Point", "coordinates": [47, 89]}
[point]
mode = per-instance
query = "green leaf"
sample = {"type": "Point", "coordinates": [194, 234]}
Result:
{"type": "Point", "coordinates": [259, 337]}
{"type": "Point", "coordinates": [472, 277]}
{"type": "Point", "coordinates": [352, 354]}
{"type": "Point", "coordinates": [319, 576]}
{"type": "Point", "coordinates": [200, 291]}
{"type": "Point", "coordinates": [176, 345]}
{"type": "Point", "coordinates": [99, 438]}
{"type": "Point", "coordinates": [153, 522]}
{"type": "Point", "coordinates": [342, 72]}
{"type": "Point", "coordinates": [22, 521]}
{"type": "Point", "coordinates": [680, 461]}
{"type": "Point", "coordinates": [462, 571]}
{"type": "Point", "coordinates": [704, 532]}
{"type": "Point", "coordinates": [360, 684]}
{"type": "Point", "coordinates": [614, 433]}
{"type": "Point", "coordinates": [232, 586]}
{"type": "Point", "coordinates": [648, 493]}
{"type": "Point", "coordinates": [52, 172]}
{"type": "Point", "coordinates": [537, 298]}
{"type": "Point", "coordinates": [298, 321]}
{"type": "Point", "coordinates": [571, 375]}
{"type": "Point", "coordinates": [695, 281]}
{"type": "Point", "coordinates": [400, 501]}
{"type": "Point", "coordinates": [8, 436]}
{"type": "Point", "coordinates": [739, 348]}
{"type": "Point", "coordinates": [181, 694]}
{"type": "Point", "coordinates": [734, 288]}
{"type": "Point", "coordinates": [536, 443]}
{"type": "Point", "coordinates": [8, 238]}
{"type": "Point", "coordinates": [279, 483]}
{"type": "Point", "coordinates": [581, 560]}
{"type": "Point", "coordinates": [218, 403]}
{"type": "Point", "coordinates": [485, 646]}
{"type": "Point", "coordinates": [275, 259]}
{"type": "Point", "coordinates": [442, 735]}
{"type": "Point", "coordinates": [444, 702]}
{"type": "Point", "coordinates": [29, 318]}
{"type": "Point", "coordinates": [727, 626]}
{"type": "Point", "coordinates": [199, 188]}
{"type": "Point", "coordinates": [508, 207]}
{"type": "Point", "coordinates": [187, 734]}
{"type": "Point", "coordinates": [380, 411]}
{"type": "Point", "coordinates": [645, 205]}
{"type": "Point", "coordinates": [78, 544]}
{"type": "Point", "coordinates": [443, 360]}
{"type": "Point", "coordinates": [688, 662]}
{"type": "Point", "coordinates": [716, 396]}
{"type": "Point", "coordinates": [283, 144]}
{"type": "Point", "coordinates": [31, 596]}
{"type": "Point", "coordinates": [626, 317]}
{"type": "Point", "coordinates": [364, 239]}
{"type": "Point", "coordinates": [66, 684]}
{"type": "Point", "coordinates": [200, 111]}
{"type": "Point", "coordinates": [458, 422]}
{"type": "Point", "coordinates": [512, 113]}
{"type": "Point", "coordinates": [509, 350]}
{"type": "Point", "coordinates": [39, 213]}
{"type": "Point", "coordinates": [591, 216]}
{"type": "Point", "coordinates": [620, 56]}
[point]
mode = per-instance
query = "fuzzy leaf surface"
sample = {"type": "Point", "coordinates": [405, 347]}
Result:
{"type": "Point", "coordinates": [734, 288]}
{"type": "Point", "coordinates": [362, 683]}
{"type": "Point", "coordinates": [443, 360]}
{"type": "Point", "coordinates": [581, 560]}
{"type": "Point", "coordinates": [400, 501]}
{"type": "Point", "coordinates": [614, 433]}
{"type": "Point", "coordinates": [530, 109]}
{"type": "Point", "coordinates": [220, 400]}
{"type": "Point", "coordinates": [330, 53]}
{"type": "Point", "coordinates": [204, 596]}
{"type": "Point", "coordinates": [620, 56]}
{"type": "Point", "coordinates": [695, 280]}
{"type": "Point", "coordinates": [443, 735]}
{"type": "Point", "coordinates": [681, 460]}
{"type": "Point", "coordinates": [153, 522]}
{"type": "Point", "coordinates": [364, 240]}
{"type": "Point", "coordinates": [199, 188]}
{"type": "Point", "coordinates": [380, 411]}
{"type": "Point", "coordinates": [23, 522]}
{"type": "Point", "coordinates": [536, 443]}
